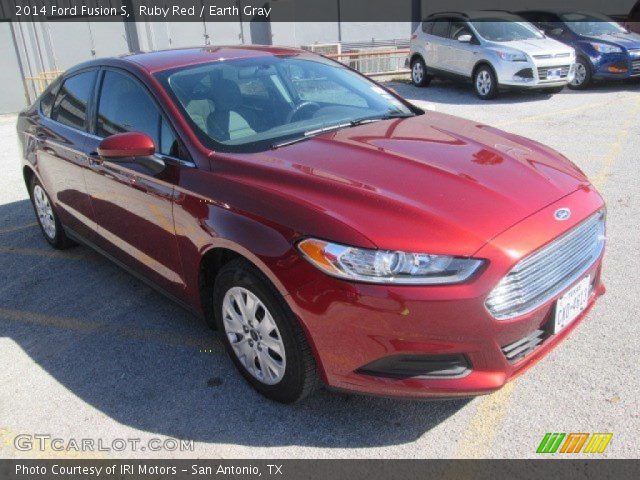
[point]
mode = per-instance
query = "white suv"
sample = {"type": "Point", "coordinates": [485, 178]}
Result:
{"type": "Point", "coordinates": [492, 49]}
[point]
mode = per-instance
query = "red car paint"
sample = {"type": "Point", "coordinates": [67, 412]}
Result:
{"type": "Point", "coordinates": [431, 183]}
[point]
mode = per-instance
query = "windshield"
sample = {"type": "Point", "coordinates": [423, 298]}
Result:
{"type": "Point", "coordinates": [495, 30]}
{"type": "Point", "coordinates": [258, 103]}
{"type": "Point", "coordinates": [589, 24]}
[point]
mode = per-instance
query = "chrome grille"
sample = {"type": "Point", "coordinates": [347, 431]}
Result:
{"type": "Point", "coordinates": [545, 273]}
{"type": "Point", "coordinates": [523, 347]}
{"type": "Point", "coordinates": [635, 66]}
{"type": "Point", "coordinates": [564, 71]}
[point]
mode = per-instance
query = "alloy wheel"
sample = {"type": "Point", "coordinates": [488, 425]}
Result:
{"type": "Point", "coordinates": [483, 82]}
{"type": "Point", "coordinates": [253, 335]}
{"type": "Point", "coordinates": [418, 72]}
{"type": "Point", "coordinates": [44, 211]}
{"type": "Point", "coordinates": [580, 75]}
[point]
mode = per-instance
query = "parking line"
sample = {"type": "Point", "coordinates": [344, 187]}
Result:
{"type": "Point", "coordinates": [478, 438]}
{"type": "Point", "coordinates": [205, 342]}
{"type": "Point", "coordinates": [532, 118]}
{"type": "Point", "coordinates": [614, 153]}
{"type": "Point", "coordinates": [40, 252]}
{"type": "Point", "coordinates": [18, 227]}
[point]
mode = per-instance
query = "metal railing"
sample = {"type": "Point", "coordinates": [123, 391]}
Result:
{"type": "Point", "coordinates": [42, 80]}
{"type": "Point", "coordinates": [383, 61]}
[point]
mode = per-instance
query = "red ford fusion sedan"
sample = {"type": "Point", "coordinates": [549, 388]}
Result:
{"type": "Point", "coordinates": [329, 230]}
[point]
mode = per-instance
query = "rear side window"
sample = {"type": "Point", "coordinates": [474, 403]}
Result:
{"type": "Point", "coordinates": [46, 101]}
{"type": "Point", "coordinates": [70, 106]}
{"type": "Point", "coordinates": [441, 28]}
{"type": "Point", "coordinates": [125, 106]}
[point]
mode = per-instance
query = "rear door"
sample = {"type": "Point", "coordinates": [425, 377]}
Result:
{"type": "Point", "coordinates": [462, 55]}
{"type": "Point", "coordinates": [61, 138]}
{"type": "Point", "coordinates": [133, 203]}
{"type": "Point", "coordinates": [440, 45]}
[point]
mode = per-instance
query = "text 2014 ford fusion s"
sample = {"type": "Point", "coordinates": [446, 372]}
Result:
{"type": "Point", "coordinates": [332, 232]}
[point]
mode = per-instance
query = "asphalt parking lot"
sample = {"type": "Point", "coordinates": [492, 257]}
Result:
{"type": "Point", "coordinates": [87, 351]}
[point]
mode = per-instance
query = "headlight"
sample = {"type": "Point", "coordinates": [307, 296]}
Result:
{"type": "Point", "coordinates": [387, 266]}
{"type": "Point", "coordinates": [606, 48]}
{"type": "Point", "coordinates": [512, 57]}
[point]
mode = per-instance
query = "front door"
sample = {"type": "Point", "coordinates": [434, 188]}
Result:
{"type": "Point", "coordinates": [133, 200]}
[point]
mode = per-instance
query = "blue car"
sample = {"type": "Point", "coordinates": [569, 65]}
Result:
{"type": "Point", "coordinates": [604, 48]}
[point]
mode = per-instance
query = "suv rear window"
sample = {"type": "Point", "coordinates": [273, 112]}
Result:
{"type": "Point", "coordinates": [427, 27]}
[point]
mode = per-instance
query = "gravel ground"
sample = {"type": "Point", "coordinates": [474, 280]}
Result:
{"type": "Point", "coordinates": [90, 352]}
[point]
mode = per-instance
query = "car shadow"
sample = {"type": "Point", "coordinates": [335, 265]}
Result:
{"type": "Point", "coordinates": [450, 92]}
{"type": "Point", "coordinates": [146, 363]}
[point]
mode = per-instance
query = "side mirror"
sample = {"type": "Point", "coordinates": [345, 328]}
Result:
{"type": "Point", "coordinates": [465, 38]}
{"type": "Point", "coordinates": [126, 145]}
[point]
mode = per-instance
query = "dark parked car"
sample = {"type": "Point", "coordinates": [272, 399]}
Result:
{"type": "Point", "coordinates": [330, 231]}
{"type": "Point", "coordinates": [632, 22]}
{"type": "Point", "coordinates": [604, 48]}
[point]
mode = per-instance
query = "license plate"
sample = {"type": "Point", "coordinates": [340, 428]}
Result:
{"type": "Point", "coordinates": [553, 74]}
{"type": "Point", "coordinates": [571, 304]}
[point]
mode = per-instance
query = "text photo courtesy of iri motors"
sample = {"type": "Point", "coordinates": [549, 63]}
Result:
{"type": "Point", "coordinates": [307, 236]}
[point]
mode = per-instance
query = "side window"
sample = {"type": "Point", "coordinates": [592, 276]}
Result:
{"type": "Point", "coordinates": [427, 27]}
{"type": "Point", "coordinates": [49, 95]}
{"type": "Point", "coordinates": [441, 28]}
{"type": "Point", "coordinates": [168, 144]}
{"type": "Point", "coordinates": [70, 106]}
{"type": "Point", "coordinates": [459, 28]}
{"type": "Point", "coordinates": [125, 106]}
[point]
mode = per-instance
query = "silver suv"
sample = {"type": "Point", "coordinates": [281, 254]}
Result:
{"type": "Point", "coordinates": [493, 49]}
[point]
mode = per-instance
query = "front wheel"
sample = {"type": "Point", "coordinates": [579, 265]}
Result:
{"type": "Point", "coordinates": [262, 335]}
{"type": "Point", "coordinates": [582, 77]}
{"type": "Point", "coordinates": [485, 83]}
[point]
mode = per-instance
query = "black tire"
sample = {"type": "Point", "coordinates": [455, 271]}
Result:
{"type": "Point", "coordinates": [419, 75]}
{"type": "Point", "coordinates": [576, 83]}
{"type": "Point", "coordinates": [300, 378]}
{"type": "Point", "coordinates": [489, 90]}
{"type": "Point", "coordinates": [58, 239]}
{"type": "Point", "coordinates": [552, 91]}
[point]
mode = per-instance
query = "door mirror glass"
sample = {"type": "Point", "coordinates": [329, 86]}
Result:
{"type": "Point", "coordinates": [126, 145]}
{"type": "Point", "coordinates": [465, 38]}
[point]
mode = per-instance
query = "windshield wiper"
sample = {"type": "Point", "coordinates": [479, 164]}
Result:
{"type": "Point", "coordinates": [391, 116]}
{"type": "Point", "coordinates": [352, 123]}
{"type": "Point", "coordinates": [311, 133]}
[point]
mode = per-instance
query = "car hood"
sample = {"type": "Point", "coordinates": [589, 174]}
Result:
{"type": "Point", "coordinates": [624, 40]}
{"type": "Point", "coordinates": [433, 182]}
{"type": "Point", "coordinates": [536, 46]}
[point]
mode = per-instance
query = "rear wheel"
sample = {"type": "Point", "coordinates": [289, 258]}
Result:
{"type": "Point", "coordinates": [262, 335]}
{"type": "Point", "coordinates": [485, 83]}
{"type": "Point", "coordinates": [582, 77]}
{"type": "Point", "coordinates": [419, 76]}
{"type": "Point", "coordinates": [48, 220]}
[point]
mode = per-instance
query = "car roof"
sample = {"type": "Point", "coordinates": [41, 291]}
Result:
{"type": "Point", "coordinates": [160, 60]}
{"type": "Point", "coordinates": [478, 15]}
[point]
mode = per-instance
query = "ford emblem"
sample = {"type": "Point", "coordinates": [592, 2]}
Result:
{"type": "Point", "coordinates": [562, 214]}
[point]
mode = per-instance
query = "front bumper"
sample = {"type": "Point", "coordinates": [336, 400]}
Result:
{"type": "Point", "coordinates": [533, 74]}
{"type": "Point", "coordinates": [354, 325]}
{"type": "Point", "coordinates": [616, 65]}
